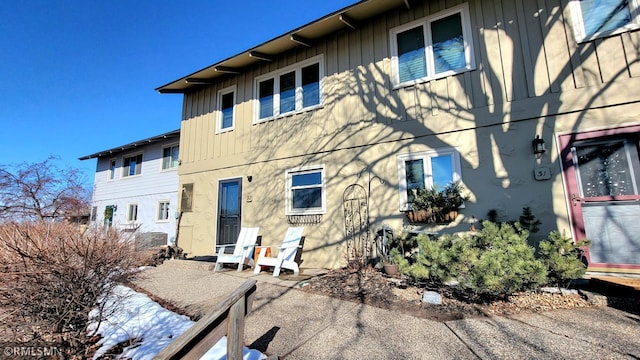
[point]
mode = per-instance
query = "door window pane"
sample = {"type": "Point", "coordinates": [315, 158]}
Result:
{"type": "Point", "coordinates": [411, 56]}
{"type": "Point", "coordinates": [229, 193]}
{"type": "Point", "coordinates": [604, 169]}
{"type": "Point", "coordinates": [448, 43]}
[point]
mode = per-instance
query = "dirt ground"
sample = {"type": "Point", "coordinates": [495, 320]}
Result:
{"type": "Point", "coordinates": [372, 287]}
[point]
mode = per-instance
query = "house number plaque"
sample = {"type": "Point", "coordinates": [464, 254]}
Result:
{"type": "Point", "coordinates": [542, 173]}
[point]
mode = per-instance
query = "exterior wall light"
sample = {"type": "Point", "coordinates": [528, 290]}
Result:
{"type": "Point", "coordinates": [538, 146]}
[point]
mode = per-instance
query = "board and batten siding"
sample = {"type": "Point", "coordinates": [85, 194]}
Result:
{"type": "Point", "coordinates": [528, 65]}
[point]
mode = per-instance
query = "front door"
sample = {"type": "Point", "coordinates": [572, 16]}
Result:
{"type": "Point", "coordinates": [602, 176]}
{"type": "Point", "coordinates": [229, 211]}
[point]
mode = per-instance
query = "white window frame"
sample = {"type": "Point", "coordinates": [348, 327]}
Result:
{"type": "Point", "coordinates": [221, 93]}
{"type": "Point", "coordinates": [425, 156]}
{"type": "Point", "coordinates": [275, 76]}
{"type": "Point", "coordinates": [578, 22]}
{"type": "Point", "coordinates": [125, 169]}
{"type": "Point", "coordinates": [171, 146]}
{"type": "Point", "coordinates": [289, 210]}
{"type": "Point", "coordinates": [463, 9]}
{"type": "Point", "coordinates": [130, 206]}
{"type": "Point", "coordinates": [111, 172]}
{"type": "Point", "coordinates": [159, 219]}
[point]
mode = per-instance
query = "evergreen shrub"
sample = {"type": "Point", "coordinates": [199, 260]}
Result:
{"type": "Point", "coordinates": [497, 261]}
{"type": "Point", "coordinates": [562, 258]}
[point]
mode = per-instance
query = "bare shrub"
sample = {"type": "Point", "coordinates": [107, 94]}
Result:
{"type": "Point", "coordinates": [53, 276]}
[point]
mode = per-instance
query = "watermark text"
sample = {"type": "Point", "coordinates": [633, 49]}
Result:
{"type": "Point", "coordinates": [25, 351]}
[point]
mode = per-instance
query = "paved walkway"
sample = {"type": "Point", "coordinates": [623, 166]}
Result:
{"type": "Point", "coordinates": [298, 325]}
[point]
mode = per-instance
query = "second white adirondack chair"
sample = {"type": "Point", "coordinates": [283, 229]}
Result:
{"type": "Point", "coordinates": [242, 251]}
{"type": "Point", "coordinates": [286, 253]}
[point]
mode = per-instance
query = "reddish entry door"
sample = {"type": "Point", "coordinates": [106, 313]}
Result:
{"type": "Point", "coordinates": [602, 177]}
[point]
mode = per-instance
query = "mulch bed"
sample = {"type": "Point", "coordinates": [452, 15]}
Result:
{"type": "Point", "coordinates": [374, 288]}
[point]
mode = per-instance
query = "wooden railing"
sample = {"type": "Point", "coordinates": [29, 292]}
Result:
{"type": "Point", "coordinates": [227, 319]}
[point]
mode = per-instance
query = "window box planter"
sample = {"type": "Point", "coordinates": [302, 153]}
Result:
{"type": "Point", "coordinates": [431, 216]}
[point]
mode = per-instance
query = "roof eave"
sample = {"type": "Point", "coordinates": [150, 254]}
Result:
{"type": "Point", "coordinates": [345, 18]}
{"type": "Point", "coordinates": [132, 145]}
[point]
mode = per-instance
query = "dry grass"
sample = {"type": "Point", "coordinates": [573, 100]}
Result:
{"type": "Point", "coordinates": [53, 276]}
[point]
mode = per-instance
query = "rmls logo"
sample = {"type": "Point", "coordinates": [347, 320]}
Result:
{"type": "Point", "coordinates": [30, 351]}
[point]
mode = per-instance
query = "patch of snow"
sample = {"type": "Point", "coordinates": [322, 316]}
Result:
{"type": "Point", "coordinates": [150, 326]}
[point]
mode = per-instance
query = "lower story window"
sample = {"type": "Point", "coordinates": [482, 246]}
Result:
{"type": "Point", "coordinates": [132, 213]}
{"type": "Point", "coordinates": [163, 211]}
{"type": "Point", "coordinates": [422, 170]}
{"type": "Point", "coordinates": [305, 193]}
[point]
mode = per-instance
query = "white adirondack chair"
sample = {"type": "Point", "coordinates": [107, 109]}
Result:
{"type": "Point", "coordinates": [286, 253]}
{"type": "Point", "coordinates": [242, 252]}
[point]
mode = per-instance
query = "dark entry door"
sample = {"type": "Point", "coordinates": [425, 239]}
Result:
{"type": "Point", "coordinates": [602, 172]}
{"type": "Point", "coordinates": [229, 211]}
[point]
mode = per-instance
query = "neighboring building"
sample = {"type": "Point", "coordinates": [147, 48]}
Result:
{"type": "Point", "coordinates": [417, 93]}
{"type": "Point", "coordinates": [136, 187]}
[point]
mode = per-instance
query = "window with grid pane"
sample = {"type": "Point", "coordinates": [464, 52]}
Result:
{"type": "Point", "coordinates": [112, 169]}
{"type": "Point", "coordinates": [288, 90]}
{"type": "Point", "coordinates": [305, 191]}
{"type": "Point", "coordinates": [132, 165]}
{"type": "Point", "coordinates": [132, 212]}
{"type": "Point", "coordinates": [432, 47]}
{"type": "Point", "coordinates": [266, 98]}
{"type": "Point", "coordinates": [434, 168]}
{"type": "Point", "coordinates": [170, 157]}
{"type": "Point", "coordinates": [596, 18]}
{"type": "Point", "coordinates": [163, 211]}
{"type": "Point", "coordinates": [227, 102]}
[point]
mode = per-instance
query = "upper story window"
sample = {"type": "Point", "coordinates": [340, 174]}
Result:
{"type": "Point", "coordinates": [597, 18]}
{"type": "Point", "coordinates": [423, 170]}
{"type": "Point", "coordinates": [305, 193]}
{"type": "Point", "coordinates": [294, 88]}
{"type": "Point", "coordinates": [132, 165]}
{"type": "Point", "coordinates": [226, 109]}
{"type": "Point", "coordinates": [170, 157]}
{"type": "Point", "coordinates": [112, 169]}
{"type": "Point", "coordinates": [433, 47]}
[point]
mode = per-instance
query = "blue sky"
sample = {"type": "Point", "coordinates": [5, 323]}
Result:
{"type": "Point", "coordinates": [78, 77]}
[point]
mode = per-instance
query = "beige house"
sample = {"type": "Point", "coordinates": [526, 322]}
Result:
{"type": "Point", "coordinates": [398, 94]}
